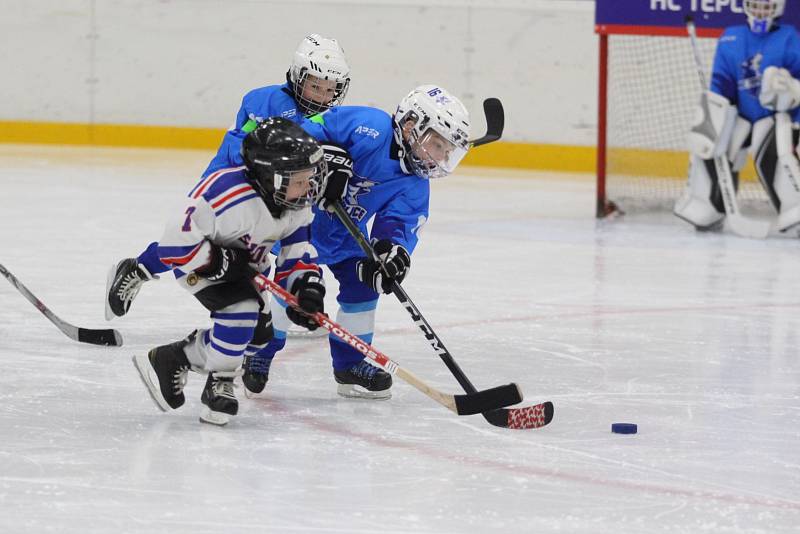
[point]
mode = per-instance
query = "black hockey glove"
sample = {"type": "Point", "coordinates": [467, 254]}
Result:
{"type": "Point", "coordinates": [340, 170]}
{"type": "Point", "coordinates": [310, 292]}
{"type": "Point", "coordinates": [396, 264]}
{"type": "Point", "coordinates": [226, 265]}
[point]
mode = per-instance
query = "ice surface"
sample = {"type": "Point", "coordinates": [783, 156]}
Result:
{"type": "Point", "coordinates": [694, 337]}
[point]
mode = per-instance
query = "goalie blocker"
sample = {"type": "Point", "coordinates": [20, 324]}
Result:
{"type": "Point", "coordinates": [719, 131]}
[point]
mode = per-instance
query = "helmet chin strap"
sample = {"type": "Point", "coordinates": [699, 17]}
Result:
{"type": "Point", "coordinates": [402, 149]}
{"type": "Point", "coordinates": [269, 200]}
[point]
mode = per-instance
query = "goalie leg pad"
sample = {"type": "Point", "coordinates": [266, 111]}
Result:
{"type": "Point", "coordinates": [712, 127]}
{"type": "Point", "coordinates": [701, 202]}
{"type": "Point", "coordinates": [778, 168]}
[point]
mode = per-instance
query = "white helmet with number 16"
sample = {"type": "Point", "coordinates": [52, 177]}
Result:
{"type": "Point", "coordinates": [432, 126]}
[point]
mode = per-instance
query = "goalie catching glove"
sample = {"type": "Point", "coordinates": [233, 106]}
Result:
{"type": "Point", "coordinates": [310, 292]}
{"type": "Point", "coordinates": [340, 170]}
{"type": "Point", "coordinates": [779, 90]}
{"type": "Point", "coordinates": [392, 266]}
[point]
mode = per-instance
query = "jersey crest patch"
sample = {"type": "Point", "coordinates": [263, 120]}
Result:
{"type": "Point", "coordinates": [355, 189]}
{"type": "Point", "coordinates": [750, 75]}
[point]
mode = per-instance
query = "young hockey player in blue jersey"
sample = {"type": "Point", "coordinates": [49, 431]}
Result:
{"type": "Point", "coordinates": [392, 159]}
{"type": "Point", "coordinates": [753, 100]}
{"type": "Point", "coordinates": [317, 79]}
{"type": "Point", "coordinates": [232, 219]}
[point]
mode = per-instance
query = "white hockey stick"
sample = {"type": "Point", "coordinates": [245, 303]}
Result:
{"type": "Point", "coordinates": [739, 224]}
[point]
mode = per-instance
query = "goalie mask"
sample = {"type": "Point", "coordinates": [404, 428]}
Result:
{"type": "Point", "coordinates": [761, 14]}
{"type": "Point", "coordinates": [432, 126]}
{"type": "Point", "coordinates": [319, 75]}
{"type": "Point", "coordinates": [284, 164]}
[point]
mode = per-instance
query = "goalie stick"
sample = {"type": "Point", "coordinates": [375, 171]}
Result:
{"type": "Point", "coordinates": [535, 416]}
{"type": "Point", "coordinates": [495, 120]}
{"type": "Point", "coordinates": [739, 224]}
{"type": "Point", "coordinates": [83, 335]}
{"type": "Point", "coordinates": [470, 404]}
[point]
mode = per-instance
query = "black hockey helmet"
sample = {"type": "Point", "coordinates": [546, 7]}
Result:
{"type": "Point", "coordinates": [285, 164]}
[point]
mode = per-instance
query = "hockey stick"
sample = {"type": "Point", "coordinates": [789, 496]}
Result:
{"type": "Point", "coordinates": [495, 120]}
{"type": "Point", "coordinates": [469, 404]}
{"type": "Point", "coordinates": [84, 335]}
{"type": "Point", "coordinates": [739, 224]}
{"type": "Point", "coordinates": [521, 418]}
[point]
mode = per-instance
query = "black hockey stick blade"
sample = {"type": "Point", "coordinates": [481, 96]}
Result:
{"type": "Point", "coordinates": [83, 335]}
{"type": "Point", "coordinates": [529, 417]}
{"type": "Point", "coordinates": [488, 399]}
{"type": "Point", "coordinates": [495, 121]}
{"type": "Point", "coordinates": [108, 337]}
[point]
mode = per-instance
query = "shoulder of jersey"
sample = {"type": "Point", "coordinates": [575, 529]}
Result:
{"type": "Point", "coordinates": [224, 189]}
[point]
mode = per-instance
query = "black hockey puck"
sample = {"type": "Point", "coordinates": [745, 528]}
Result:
{"type": "Point", "coordinates": [624, 428]}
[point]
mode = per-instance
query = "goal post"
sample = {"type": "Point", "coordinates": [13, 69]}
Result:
{"type": "Point", "coordinates": [647, 94]}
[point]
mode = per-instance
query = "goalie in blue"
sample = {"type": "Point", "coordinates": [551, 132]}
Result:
{"type": "Point", "coordinates": [753, 104]}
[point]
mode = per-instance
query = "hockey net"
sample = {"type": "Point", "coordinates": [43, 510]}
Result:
{"type": "Point", "coordinates": [648, 92]}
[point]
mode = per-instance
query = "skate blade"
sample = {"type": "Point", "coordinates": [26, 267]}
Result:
{"type": "Point", "coordinates": [214, 418]}
{"type": "Point", "coordinates": [150, 380]}
{"type": "Point", "coordinates": [253, 395]}
{"type": "Point", "coordinates": [110, 280]}
{"type": "Point", "coordinates": [353, 391]}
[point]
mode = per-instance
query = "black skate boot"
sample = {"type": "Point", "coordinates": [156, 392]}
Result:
{"type": "Point", "coordinates": [364, 381]}
{"type": "Point", "coordinates": [256, 374]}
{"type": "Point", "coordinates": [219, 399]}
{"type": "Point", "coordinates": [164, 370]}
{"type": "Point", "coordinates": [123, 283]}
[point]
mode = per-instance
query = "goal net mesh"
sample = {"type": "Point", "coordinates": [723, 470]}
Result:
{"type": "Point", "coordinates": [653, 89]}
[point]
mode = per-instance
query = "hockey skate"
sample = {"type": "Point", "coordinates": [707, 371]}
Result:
{"type": "Point", "coordinates": [364, 381]}
{"type": "Point", "coordinates": [256, 374]}
{"type": "Point", "coordinates": [218, 398]}
{"type": "Point", "coordinates": [164, 371]}
{"type": "Point", "coordinates": [123, 283]}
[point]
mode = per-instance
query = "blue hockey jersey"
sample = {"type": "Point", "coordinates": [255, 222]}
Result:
{"type": "Point", "coordinates": [258, 104]}
{"type": "Point", "coordinates": [740, 60]}
{"type": "Point", "coordinates": [379, 189]}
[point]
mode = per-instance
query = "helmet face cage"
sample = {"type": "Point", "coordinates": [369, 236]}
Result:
{"type": "Point", "coordinates": [319, 74]}
{"type": "Point", "coordinates": [431, 155]}
{"type": "Point", "coordinates": [306, 85]}
{"type": "Point", "coordinates": [298, 189]}
{"type": "Point", "coordinates": [436, 140]}
{"type": "Point", "coordinates": [761, 14]}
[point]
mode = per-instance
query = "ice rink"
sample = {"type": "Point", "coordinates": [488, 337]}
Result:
{"type": "Point", "coordinates": [694, 337]}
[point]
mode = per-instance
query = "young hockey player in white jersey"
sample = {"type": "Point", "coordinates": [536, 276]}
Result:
{"type": "Point", "coordinates": [752, 103]}
{"type": "Point", "coordinates": [231, 220]}
{"type": "Point", "coordinates": [317, 80]}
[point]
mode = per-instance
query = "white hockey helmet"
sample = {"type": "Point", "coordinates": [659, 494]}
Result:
{"type": "Point", "coordinates": [319, 75]}
{"type": "Point", "coordinates": [761, 14]}
{"type": "Point", "coordinates": [432, 126]}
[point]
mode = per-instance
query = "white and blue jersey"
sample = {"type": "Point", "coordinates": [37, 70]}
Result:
{"type": "Point", "coordinates": [740, 60]}
{"type": "Point", "coordinates": [224, 209]}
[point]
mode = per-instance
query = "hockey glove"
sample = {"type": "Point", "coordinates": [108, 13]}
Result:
{"type": "Point", "coordinates": [396, 264]}
{"type": "Point", "coordinates": [779, 90]}
{"type": "Point", "coordinates": [340, 170]}
{"type": "Point", "coordinates": [226, 265]}
{"type": "Point", "coordinates": [310, 292]}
